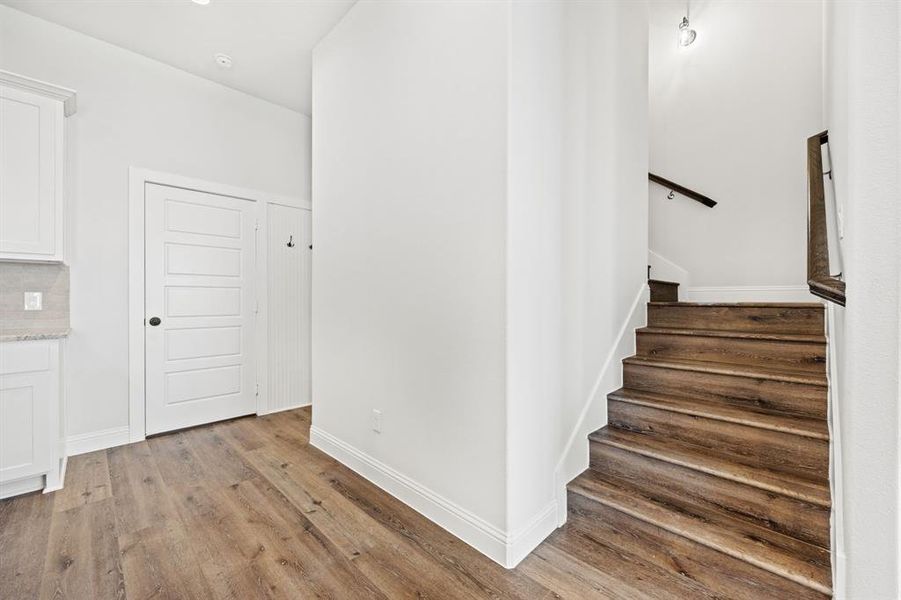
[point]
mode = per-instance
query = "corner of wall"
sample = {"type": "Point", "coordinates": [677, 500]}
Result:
{"type": "Point", "coordinates": [478, 533]}
{"type": "Point", "coordinates": [665, 269]}
{"type": "Point", "coordinates": [507, 549]}
{"type": "Point", "coordinates": [521, 543]}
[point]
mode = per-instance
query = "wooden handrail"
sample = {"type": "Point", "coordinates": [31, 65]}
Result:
{"type": "Point", "coordinates": [682, 190]}
{"type": "Point", "coordinates": [819, 278]}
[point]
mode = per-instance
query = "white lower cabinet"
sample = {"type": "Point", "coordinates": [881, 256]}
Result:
{"type": "Point", "coordinates": [31, 453]}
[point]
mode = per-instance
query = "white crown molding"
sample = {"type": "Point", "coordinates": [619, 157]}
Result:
{"type": "Point", "coordinates": [64, 95]}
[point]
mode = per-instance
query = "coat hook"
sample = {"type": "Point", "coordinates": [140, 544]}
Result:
{"type": "Point", "coordinates": [290, 241]}
{"type": "Point", "coordinates": [671, 195]}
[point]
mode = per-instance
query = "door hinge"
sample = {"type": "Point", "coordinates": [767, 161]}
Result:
{"type": "Point", "coordinates": [256, 225]}
{"type": "Point", "coordinates": [257, 390]}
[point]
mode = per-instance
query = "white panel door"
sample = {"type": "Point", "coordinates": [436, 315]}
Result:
{"type": "Point", "coordinates": [200, 254]}
{"type": "Point", "coordinates": [288, 286]}
{"type": "Point", "coordinates": [30, 140]}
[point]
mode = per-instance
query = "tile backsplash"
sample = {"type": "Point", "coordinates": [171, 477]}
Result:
{"type": "Point", "coordinates": [52, 280]}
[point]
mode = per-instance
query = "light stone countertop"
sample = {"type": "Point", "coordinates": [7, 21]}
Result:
{"type": "Point", "coordinates": [25, 335]}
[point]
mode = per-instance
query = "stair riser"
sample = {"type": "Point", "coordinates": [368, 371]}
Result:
{"type": "Point", "coordinates": [794, 398]}
{"type": "Point", "coordinates": [749, 445]}
{"type": "Point", "coordinates": [683, 487]}
{"type": "Point", "coordinates": [809, 357]}
{"type": "Point", "coordinates": [663, 291]}
{"type": "Point", "coordinates": [759, 319]}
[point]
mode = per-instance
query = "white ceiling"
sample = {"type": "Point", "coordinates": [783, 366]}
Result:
{"type": "Point", "coordinates": [270, 41]}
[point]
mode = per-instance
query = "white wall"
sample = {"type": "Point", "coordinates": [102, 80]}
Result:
{"type": "Point", "coordinates": [133, 111]}
{"type": "Point", "coordinates": [864, 121]}
{"type": "Point", "coordinates": [479, 175]}
{"type": "Point", "coordinates": [535, 137]}
{"type": "Point", "coordinates": [409, 181]}
{"type": "Point", "coordinates": [730, 116]}
{"type": "Point", "coordinates": [605, 213]}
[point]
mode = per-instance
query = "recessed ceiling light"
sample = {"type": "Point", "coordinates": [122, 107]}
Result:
{"type": "Point", "coordinates": [201, 2]}
{"type": "Point", "coordinates": [224, 60]}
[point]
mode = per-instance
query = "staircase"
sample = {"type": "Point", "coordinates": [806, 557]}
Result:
{"type": "Point", "coordinates": [719, 436]}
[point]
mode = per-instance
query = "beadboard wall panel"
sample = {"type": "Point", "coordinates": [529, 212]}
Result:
{"type": "Point", "coordinates": [288, 284]}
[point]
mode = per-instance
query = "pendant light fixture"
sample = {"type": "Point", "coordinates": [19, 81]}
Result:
{"type": "Point", "coordinates": [687, 35]}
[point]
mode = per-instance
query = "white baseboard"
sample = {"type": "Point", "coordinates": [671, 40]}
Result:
{"type": "Point", "coordinates": [739, 293]}
{"type": "Point", "coordinates": [21, 486]}
{"type": "Point", "coordinates": [97, 440]}
{"type": "Point", "coordinates": [61, 481]}
{"type": "Point", "coordinates": [283, 408]}
{"type": "Point", "coordinates": [522, 542]}
{"type": "Point", "coordinates": [493, 542]}
{"type": "Point", "coordinates": [574, 459]}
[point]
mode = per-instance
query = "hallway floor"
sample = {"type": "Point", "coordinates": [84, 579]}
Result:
{"type": "Point", "coordinates": [247, 509]}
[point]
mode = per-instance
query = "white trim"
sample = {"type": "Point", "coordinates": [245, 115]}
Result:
{"type": "Point", "coordinates": [836, 521]}
{"type": "Point", "coordinates": [521, 543]}
{"type": "Point", "coordinates": [261, 316]}
{"type": "Point", "coordinates": [97, 440]}
{"type": "Point", "coordinates": [55, 92]}
{"type": "Point", "coordinates": [664, 269]}
{"type": "Point", "coordinates": [138, 178]}
{"type": "Point", "coordinates": [574, 458]}
{"type": "Point", "coordinates": [283, 409]}
{"type": "Point", "coordinates": [213, 187]}
{"type": "Point", "coordinates": [506, 550]}
{"type": "Point", "coordinates": [136, 183]}
{"type": "Point", "coordinates": [749, 293]}
{"type": "Point", "coordinates": [55, 486]}
{"type": "Point", "coordinates": [21, 486]}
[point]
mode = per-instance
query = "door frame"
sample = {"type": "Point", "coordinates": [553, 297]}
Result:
{"type": "Point", "coordinates": [138, 178]}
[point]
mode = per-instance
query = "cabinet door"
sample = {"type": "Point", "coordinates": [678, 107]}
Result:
{"type": "Point", "coordinates": [25, 444]}
{"type": "Point", "coordinates": [30, 175]}
{"type": "Point", "coordinates": [29, 401]}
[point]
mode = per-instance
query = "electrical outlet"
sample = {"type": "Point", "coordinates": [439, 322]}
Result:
{"type": "Point", "coordinates": [376, 420]}
{"type": "Point", "coordinates": [34, 301]}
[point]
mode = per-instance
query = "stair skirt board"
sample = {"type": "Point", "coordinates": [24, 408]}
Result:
{"type": "Point", "coordinates": [720, 435]}
{"type": "Point", "coordinates": [574, 458]}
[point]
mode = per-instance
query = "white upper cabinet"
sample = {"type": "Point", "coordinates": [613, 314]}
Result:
{"type": "Point", "coordinates": [32, 165]}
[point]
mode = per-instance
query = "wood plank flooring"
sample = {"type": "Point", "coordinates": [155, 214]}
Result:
{"type": "Point", "coordinates": [247, 509]}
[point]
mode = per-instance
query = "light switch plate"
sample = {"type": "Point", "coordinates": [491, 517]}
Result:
{"type": "Point", "coordinates": [34, 301]}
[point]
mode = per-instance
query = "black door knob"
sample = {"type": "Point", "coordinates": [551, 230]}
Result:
{"type": "Point", "coordinates": [155, 321]}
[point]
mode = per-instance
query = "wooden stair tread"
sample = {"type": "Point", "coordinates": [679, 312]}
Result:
{"type": "Point", "coordinates": [785, 556]}
{"type": "Point", "coordinates": [700, 459]}
{"type": "Point", "coordinates": [621, 544]}
{"type": "Point", "coordinates": [744, 304]}
{"type": "Point", "coordinates": [685, 486]}
{"type": "Point", "coordinates": [747, 335]}
{"type": "Point", "coordinates": [719, 437]}
{"type": "Point", "coordinates": [721, 411]}
{"type": "Point", "coordinates": [663, 281]}
{"type": "Point", "coordinates": [751, 371]}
